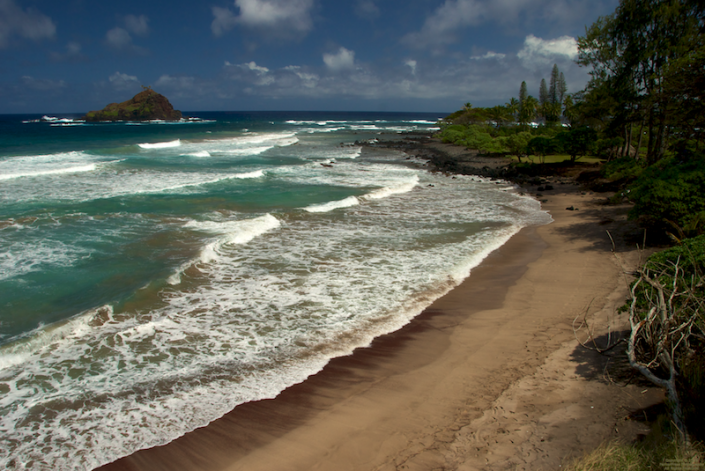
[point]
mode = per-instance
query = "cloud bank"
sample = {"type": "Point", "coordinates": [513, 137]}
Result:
{"type": "Point", "coordinates": [26, 24]}
{"type": "Point", "coordinates": [453, 17]}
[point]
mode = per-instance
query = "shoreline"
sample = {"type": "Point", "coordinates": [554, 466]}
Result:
{"type": "Point", "coordinates": [489, 376]}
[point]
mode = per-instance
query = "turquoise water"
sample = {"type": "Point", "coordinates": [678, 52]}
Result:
{"type": "Point", "coordinates": [153, 276]}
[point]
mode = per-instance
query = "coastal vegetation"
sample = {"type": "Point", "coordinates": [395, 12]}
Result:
{"type": "Point", "coordinates": [642, 114]}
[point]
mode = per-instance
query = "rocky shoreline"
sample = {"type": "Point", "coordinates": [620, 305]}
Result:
{"type": "Point", "coordinates": [453, 159]}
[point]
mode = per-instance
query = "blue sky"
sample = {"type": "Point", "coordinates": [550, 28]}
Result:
{"type": "Point", "coordinates": [353, 55]}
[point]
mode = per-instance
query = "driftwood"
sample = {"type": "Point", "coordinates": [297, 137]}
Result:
{"type": "Point", "coordinates": [666, 315]}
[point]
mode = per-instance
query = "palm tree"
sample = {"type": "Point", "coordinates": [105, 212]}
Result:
{"type": "Point", "coordinates": [527, 113]}
{"type": "Point", "coordinates": [513, 108]}
{"type": "Point", "coordinates": [498, 114]}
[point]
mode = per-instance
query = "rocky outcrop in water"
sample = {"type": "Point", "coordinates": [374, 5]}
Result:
{"type": "Point", "coordinates": [147, 105]}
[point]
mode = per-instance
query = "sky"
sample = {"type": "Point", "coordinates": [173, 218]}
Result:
{"type": "Point", "coordinates": [73, 56]}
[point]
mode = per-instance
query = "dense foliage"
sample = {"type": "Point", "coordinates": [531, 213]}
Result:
{"type": "Point", "coordinates": [671, 194]}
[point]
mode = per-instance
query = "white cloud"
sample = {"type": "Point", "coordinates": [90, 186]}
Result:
{"type": "Point", "coordinates": [27, 24]}
{"type": "Point", "coordinates": [490, 55]}
{"type": "Point", "coordinates": [449, 19]}
{"type": "Point", "coordinates": [73, 53]}
{"type": "Point", "coordinates": [118, 38]}
{"type": "Point", "coordinates": [366, 9]}
{"type": "Point", "coordinates": [254, 68]}
{"type": "Point", "coordinates": [412, 64]}
{"type": "Point", "coordinates": [541, 52]}
{"type": "Point", "coordinates": [343, 59]}
{"type": "Point", "coordinates": [223, 20]}
{"type": "Point", "coordinates": [274, 17]}
{"type": "Point", "coordinates": [250, 69]}
{"type": "Point", "coordinates": [137, 24]}
{"type": "Point", "coordinates": [121, 81]}
{"type": "Point", "coordinates": [73, 48]}
{"type": "Point", "coordinates": [308, 80]}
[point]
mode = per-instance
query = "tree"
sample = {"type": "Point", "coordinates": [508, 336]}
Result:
{"type": "Point", "coordinates": [498, 114]}
{"type": "Point", "coordinates": [631, 53]}
{"type": "Point", "coordinates": [543, 93]}
{"type": "Point", "coordinates": [513, 108]}
{"type": "Point", "coordinates": [517, 143]}
{"type": "Point", "coordinates": [577, 142]}
{"type": "Point", "coordinates": [523, 95]}
{"type": "Point", "coordinates": [569, 110]}
{"type": "Point", "coordinates": [562, 88]}
{"type": "Point", "coordinates": [528, 110]}
{"type": "Point", "coordinates": [541, 146]}
{"type": "Point", "coordinates": [553, 87]}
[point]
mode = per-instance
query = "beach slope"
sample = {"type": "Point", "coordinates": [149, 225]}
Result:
{"type": "Point", "coordinates": [489, 377]}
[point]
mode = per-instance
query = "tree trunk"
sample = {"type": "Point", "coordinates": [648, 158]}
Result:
{"type": "Point", "coordinates": [641, 135]}
{"type": "Point", "coordinates": [650, 148]}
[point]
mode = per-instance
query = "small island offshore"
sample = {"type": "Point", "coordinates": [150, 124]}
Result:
{"type": "Point", "coordinates": [147, 105]}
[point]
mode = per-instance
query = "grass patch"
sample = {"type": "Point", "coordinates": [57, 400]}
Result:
{"type": "Point", "coordinates": [614, 456]}
{"type": "Point", "coordinates": [658, 452]}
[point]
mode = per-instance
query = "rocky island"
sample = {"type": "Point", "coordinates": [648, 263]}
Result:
{"type": "Point", "coordinates": [147, 105]}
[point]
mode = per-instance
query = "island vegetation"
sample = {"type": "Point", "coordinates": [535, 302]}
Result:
{"type": "Point", "coordinates": [147, 105]}
{"type": "Point", "coordinates": [641, 117]}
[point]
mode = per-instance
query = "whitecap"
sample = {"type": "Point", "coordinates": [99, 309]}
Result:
{"type": "Point", "coordinates": [39, 173]}
{"type": "Point", "coordinates": [402, 187]}
{"type": "Point", "coordinates": [232, 233]}
{"type": "Point", "coordinates": [161, 145]}
{"type": "Point", "coordinates": [331, 205]}
{"type": "Point", "coordinates": [254, 174]}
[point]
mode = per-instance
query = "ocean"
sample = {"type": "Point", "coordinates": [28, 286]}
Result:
{"type": "Point", "coordinates": [153, 276]}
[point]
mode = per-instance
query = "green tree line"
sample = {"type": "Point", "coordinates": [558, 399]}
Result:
{"type": "Point", "coordinates": [643, 111]}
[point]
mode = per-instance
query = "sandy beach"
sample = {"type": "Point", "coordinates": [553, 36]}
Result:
{"type": "Point", "coordinates": [489, 377]}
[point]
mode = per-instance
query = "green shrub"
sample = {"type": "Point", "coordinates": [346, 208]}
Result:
{"type": "Point", "coordinates": [625, 168]}
{"type": "Point", "coordinates": [671, 193]}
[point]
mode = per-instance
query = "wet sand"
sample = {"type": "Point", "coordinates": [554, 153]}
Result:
{"type": "Point", "coordinates": [488, 377]}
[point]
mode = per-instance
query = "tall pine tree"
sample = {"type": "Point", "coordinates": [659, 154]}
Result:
{"type": "Point", "coordinates": [523, 95]}
{"type": "Point", "coordinates": [553, 87]}
{"type": "Point", "coordinates": [543, 93]}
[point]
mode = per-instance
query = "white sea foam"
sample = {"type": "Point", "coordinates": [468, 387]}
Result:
{"type": "Point", "coordinates": [200, 153]}
{"type": "Point", "coordinates": [232, 233]}
{"type": "Point", "coordinates": [54, 171]}
{"type": "Point", "coordinates": [247, 144]}
{"type": "Point", "coordinates": [247, 150]}
{"type": "Point", "coordinates": [24, 256]}
{"type": "Point", "coordinates": [161, 145]}
{"type": "Point", "coordinates": [255, 174]}
{"type": "Point", "coordinates": [43, 336]}
{"type": "Point", "coordinates": [400, 187]}
{"type": "Point", "coordinates": [330, 206]}
{"type": "Point", "coordinates": [50, 164]}
{"type": "Point", "coordinates": [266, 304]}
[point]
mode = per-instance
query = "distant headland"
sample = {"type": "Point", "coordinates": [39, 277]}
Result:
{"type": "Point", "coordinates": [147, 105]}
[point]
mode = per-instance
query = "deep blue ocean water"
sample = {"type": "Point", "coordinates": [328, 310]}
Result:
{"type": "Point", "coordinates": [153, 276]}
